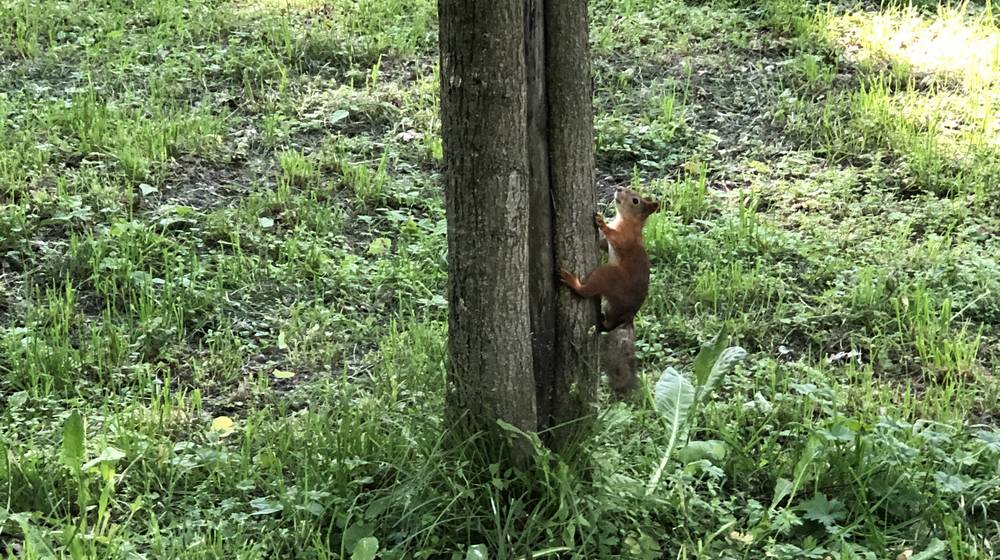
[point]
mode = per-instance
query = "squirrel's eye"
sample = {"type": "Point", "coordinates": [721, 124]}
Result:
{"type": "Point", "coordinates": [635, 201]}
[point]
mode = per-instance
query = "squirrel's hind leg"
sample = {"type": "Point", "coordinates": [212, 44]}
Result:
{"type": "Point", "coordinates": [599, 282]}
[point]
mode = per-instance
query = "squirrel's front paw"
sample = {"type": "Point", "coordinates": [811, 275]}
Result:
{"type": "Point", "coordinates": [567, 277]}
{"type": "Point", "coordinates": [599, 220]}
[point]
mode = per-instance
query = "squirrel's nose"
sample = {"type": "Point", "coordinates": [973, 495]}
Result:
{"type": "Point", "coordinates": [619, 189]}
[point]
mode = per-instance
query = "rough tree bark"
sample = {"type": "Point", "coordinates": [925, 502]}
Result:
{"type": "Point", "coordinates": [571, 173]}
{"type": "Point", "coordinates": [483, 108]}
{"type": "Point", "coordinates": [541, 257]}
{"type": "Point", "coordinates": [518, 145]}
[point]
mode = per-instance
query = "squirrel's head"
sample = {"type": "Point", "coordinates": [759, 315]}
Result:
{"type": "Point", "coordinates": [630, 204]}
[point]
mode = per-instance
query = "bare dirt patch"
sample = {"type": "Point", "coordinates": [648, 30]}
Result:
{"type": "Point", "coordinates": [204, 184]}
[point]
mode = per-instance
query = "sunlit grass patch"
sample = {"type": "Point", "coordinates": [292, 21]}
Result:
{"type": "Point", "coordinates": [938, 141]}
{"type": "Point", "coordinates": [925, 97]}
{"type": "Point", "coordinates": [954, 43]}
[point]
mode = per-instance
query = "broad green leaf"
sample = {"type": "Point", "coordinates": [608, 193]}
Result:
{"type": "Point", "coordinates": [724, 364]}
{"type": "Point", "coordinates": [674, 396]}
{"type": "Point", "coordinates": [710, 351]}
{"type": "Point", "coordinates": [782, 488]}
{"type": "Point", "coordinates": [990, 439]}
{"type": "Point", "coordinates": [314, 508]}
{"type": "Point", "coordinates": [476, 552]}
{"type": "Point", "coordinates": [824, 510]}
{"type": "Point", "coordinates": [108, 455]}
{"type": "Point", "coordinates": [950, 483]}
{"type": "Point", "coordinates": [802, 467]}
{"type": "Point", "coordinates": [73, 442]}
{"type": "Point", "coordinates": [282, 374]}
{"type": "Point", "coordinates": [338, 115]}
{"type": "Point", "coordinates": [786, 520]}
{"type": "Point", "coordinates": [933, 550]}
{"type": "Point", "coordinates": [704, 466]}
{"type": "Point", "coordinates": [142, 278]}
{"type": "Point", "coordinates": [839, 431]}
{"type": "Point", "coordinates": [354, 533]}
{"type": "Point", "coordinates": [711, 450]}
{"type": "Point", "coordinates": [378, 506]}
{"type": "Point", "coordinates": [643, 547]}
{"type": "Point", "coordinates": [365, 549]}
{"type": "Point", "coordinates": [17, 400]}
{"type": "Point", "coordinates": [265, 506]}
{"type": "Point", "coordinates": [265, 222]}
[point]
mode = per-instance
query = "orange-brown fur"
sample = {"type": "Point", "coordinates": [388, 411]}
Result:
{"type": "Point", "coordinates": [624, 280]}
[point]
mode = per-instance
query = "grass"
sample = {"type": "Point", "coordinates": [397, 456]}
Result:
{"type": "Point", "coordinates": [222, 279]}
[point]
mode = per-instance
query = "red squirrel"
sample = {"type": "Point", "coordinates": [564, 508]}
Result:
{"type": "Point", "coordinates": [624, 280]}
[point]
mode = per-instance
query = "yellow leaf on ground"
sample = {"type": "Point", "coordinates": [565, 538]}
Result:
{"type": "Point", "coordinates": [223, 425]}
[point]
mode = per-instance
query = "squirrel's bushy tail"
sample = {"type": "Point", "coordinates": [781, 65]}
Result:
{"type": "Point", "coordinates": [619, 361]}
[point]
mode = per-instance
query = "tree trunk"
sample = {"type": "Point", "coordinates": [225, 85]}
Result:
{"type": "Point", "coordinates": [571, 174]}
{"type": "Point", "coordinates": [543, 278]}
{"type": "Point", "coordinates": [483, 128]}
{"type": "Point", "coordinates": [519, 189]}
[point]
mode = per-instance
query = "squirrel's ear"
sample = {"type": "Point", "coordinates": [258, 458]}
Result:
{"type": "Point", "coordinates": [651, 207]}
